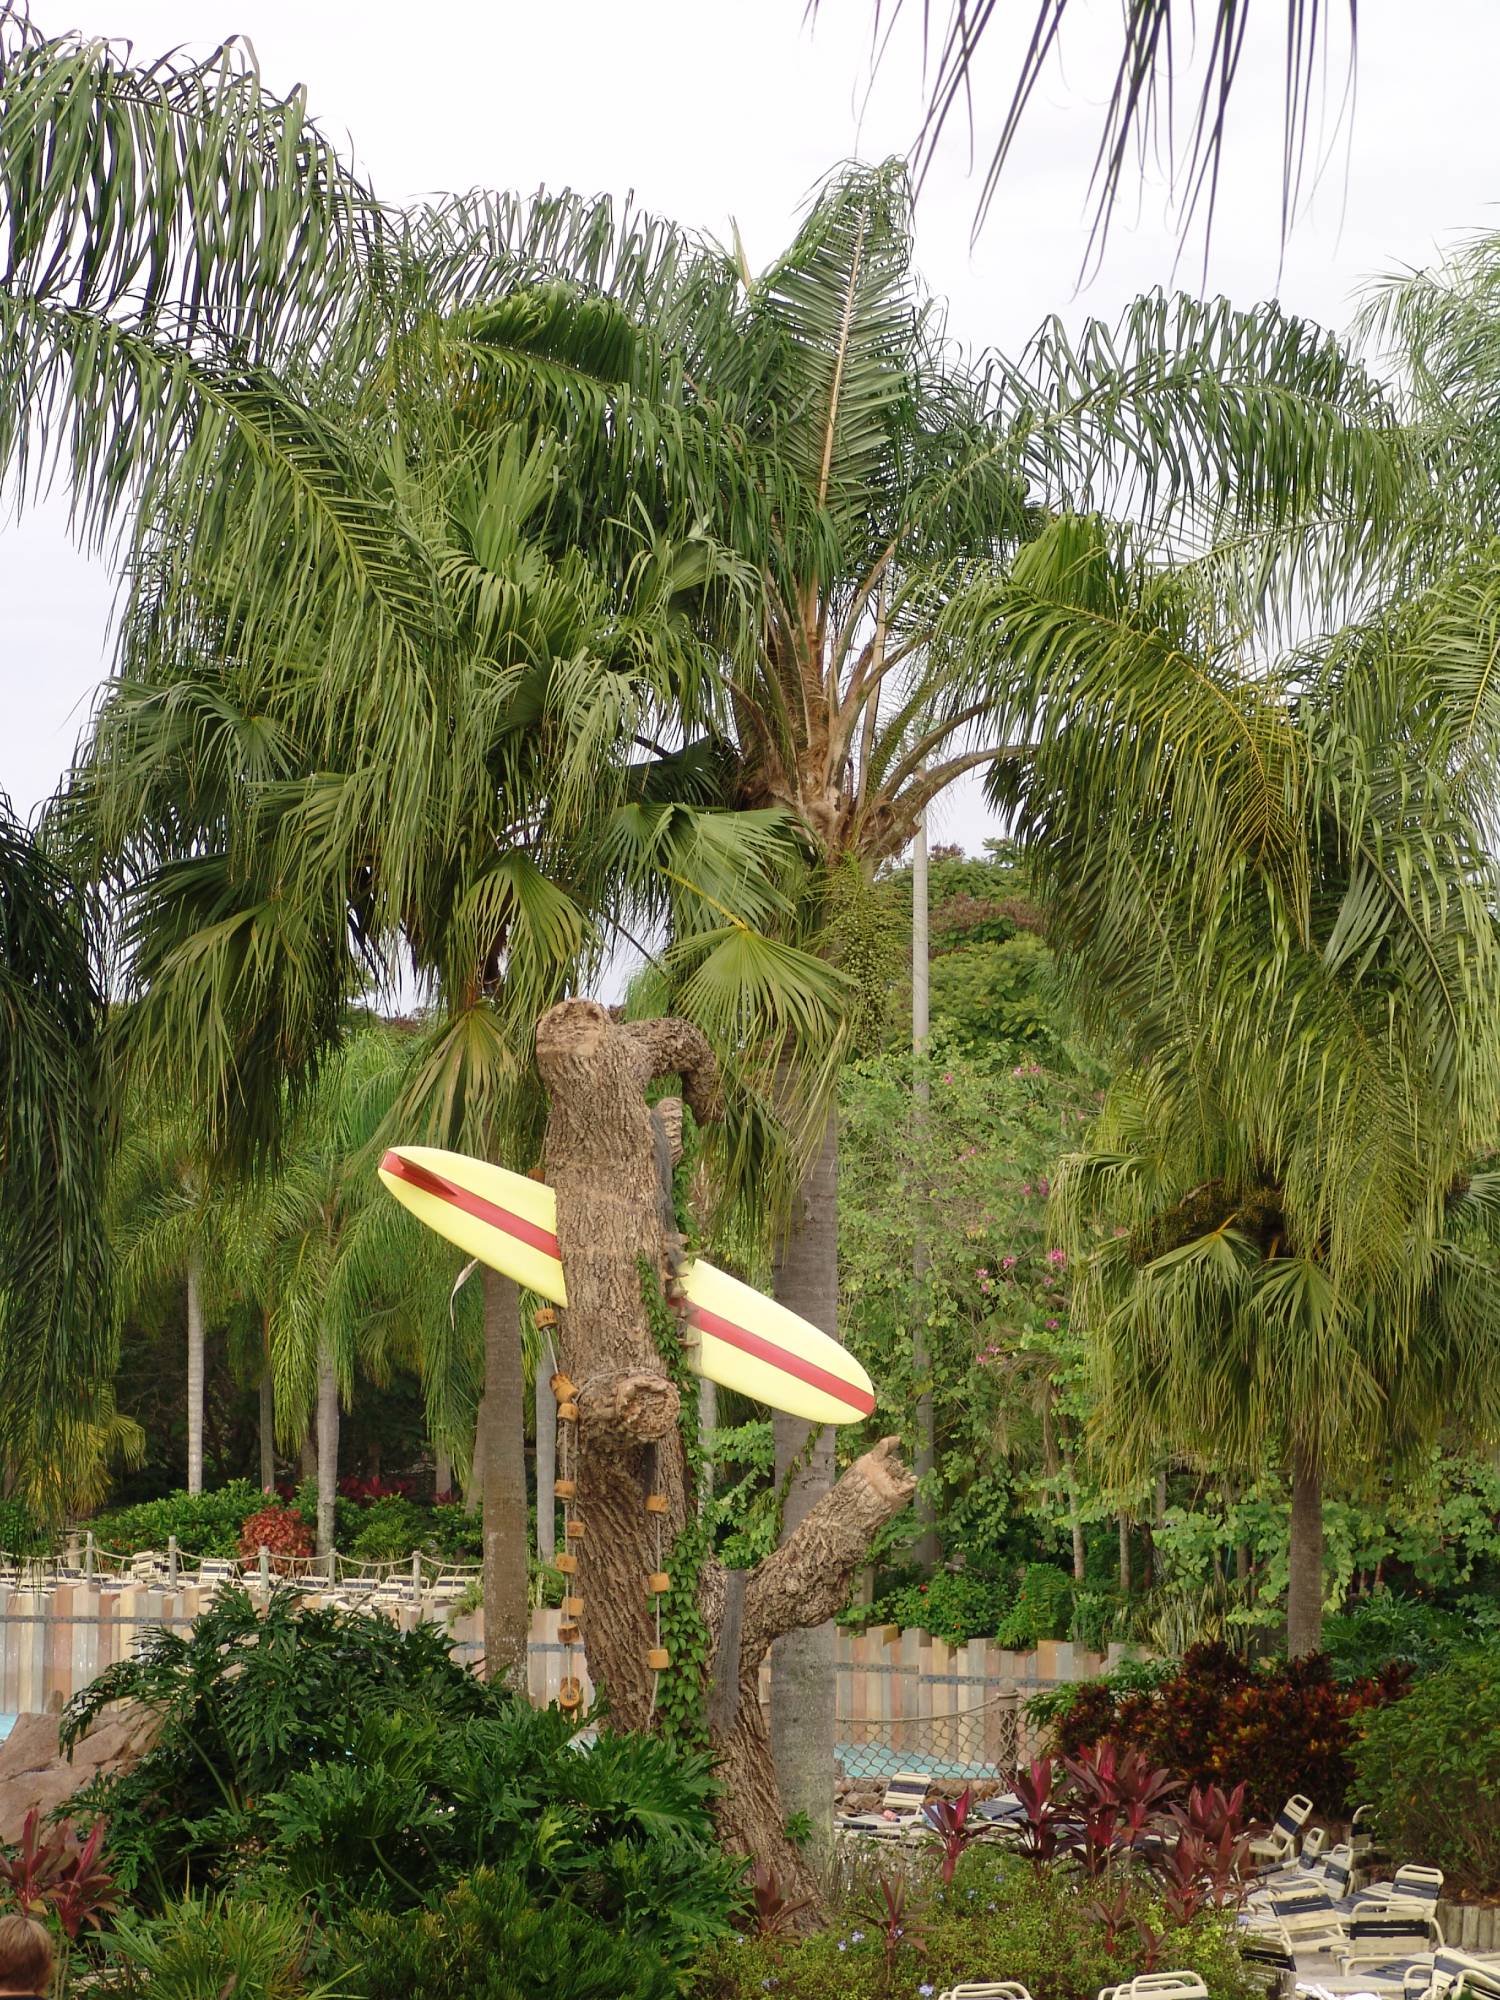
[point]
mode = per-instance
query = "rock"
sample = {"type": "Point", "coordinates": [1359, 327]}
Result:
{"type": "Point", "coordinates": [34, 1771]}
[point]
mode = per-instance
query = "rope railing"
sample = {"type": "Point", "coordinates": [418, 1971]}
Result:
{"type": "Point", "coordinates": [86, 1560]}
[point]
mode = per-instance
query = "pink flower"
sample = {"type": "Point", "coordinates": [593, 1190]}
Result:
{"type": "Point", "coordinates": [1007, 1263]}
{"type": "Point", "coordinates": [1044, 1187]}
{"type": "Point", "coordinates": [1026, 1187]}
{"type": "Point", "coordinates": [986, 1284]}
{"type": "Point", "coordinates": [1057, 1257]}
{"type": "Point", "coordinates": [982, 1271]}
{"type": "Point", "coordinates": [1052, 1324]}
{"type": "Point", "coordinates": [947, 1076]}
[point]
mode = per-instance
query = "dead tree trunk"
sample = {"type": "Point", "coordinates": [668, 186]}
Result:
{"type": "Point", "coordinates": [601, 1158]}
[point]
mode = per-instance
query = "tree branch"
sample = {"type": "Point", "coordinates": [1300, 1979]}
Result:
{"type": "Point", "coordinates": [807, 1579]}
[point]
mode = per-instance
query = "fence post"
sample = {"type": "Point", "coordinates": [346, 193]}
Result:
{"type": "Point", "coordinates": [416, 1575]}
{"type": "Point", "coordinates": [171, 1562]}
{"type": "Point", "coordinates": [265, 1567]}
{"type": "Point", "coordinates": [333, 1576]}
{"type": "Point", "coordinates": [88, 1555]}
{"type": "Point", "coordinates": [1008, 1701]}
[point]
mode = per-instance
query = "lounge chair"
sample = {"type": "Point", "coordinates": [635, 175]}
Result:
{"type": "Point", "coordinates": [1411, 1883]}
{"type": "Point", "coordinates": [1158, 1986]}
{"type": "Point", "coordinates": [1278, 1847]}
{"type": "Point", "coordinates": [1440, 1974]}
{"type": "Point", "coordinates": [1323, 1885]}
{"type": "Point", "coordinates": [987, 1989]}
{"type": "Point", "coordinates": [900, 1809]}
{"type": "Point", "coordinates": [1377, 1932]}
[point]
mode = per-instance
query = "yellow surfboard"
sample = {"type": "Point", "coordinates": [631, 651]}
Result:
{"type": "Point", "coordinates": [746, 1341]}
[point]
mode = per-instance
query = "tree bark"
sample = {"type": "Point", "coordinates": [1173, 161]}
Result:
{"type": "Point", "coordinates": [545, 1405]}
{"type": "Point", "coordinates": [602, 1158]}
{"type": "Point", "coordinates": [267, 1429]}
{"type": "Point", "coordinates": [442, 1474]}
{"type": "Point", "coordinates": [1124, 1525]}
{"type": "Point", "coordinates": [506, 1612]}
{"type": "Point", "coordinates": [803, 1725]}
{"type": "Point", "coordinates": [1304, 1596]}
{"type": "Point", "coordinates": [328, 1447]}
{"type": "Point", "coordinates": [194, 1374]}
{"type": "Point", "coordinates": [1075, 1523]}
{"type": "Point", "coordinates": [926, 1549]}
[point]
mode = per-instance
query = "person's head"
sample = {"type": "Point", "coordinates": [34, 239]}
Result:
{"type": "Point", "coordinates": [25, 1956]}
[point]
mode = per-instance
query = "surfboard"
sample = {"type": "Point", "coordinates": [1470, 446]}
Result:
{"type": "Point", "coordinates": [746, 1341]}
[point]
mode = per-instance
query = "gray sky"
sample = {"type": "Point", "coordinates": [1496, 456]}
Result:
{"type": "Point", "coordinates": [716, 108]}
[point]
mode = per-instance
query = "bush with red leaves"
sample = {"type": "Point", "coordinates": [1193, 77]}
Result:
{"type": "Point", "coordinates": [279, 1529]}
{"type": "Point", "coordinates": [1280, 1728]}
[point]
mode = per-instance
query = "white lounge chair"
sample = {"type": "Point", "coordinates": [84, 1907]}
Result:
{"type": "Point", "coordinates": [1377, 1932]}
{"type": "Point", "coordinates": [900, 1809]}
{"type": "Point", "coordinates": [1276, 1848]}
{"type": "Point", "coordinates": [1326, 1883]}
{"type": "Point", "coordinates": [1158, 1986]}
{"type": "Point", "coordinates": [1411, 1883]}
{"type": "Point", "coordinates": [1440, 1974]}
{"type": "Point", "coordinates": [987, 1989]}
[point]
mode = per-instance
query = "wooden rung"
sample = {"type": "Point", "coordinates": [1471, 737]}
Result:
{"type": "Point", "coordinates": [563, 1388]}
{"type": "Point", "coordinates": [574, 1531]}
{"type": "Point", "coordinates": [568, 1635]}
{"type": "Point", "coordinates": [536, 1174]}
{"type": "Point", "coordinates": [567, 1413]}
{"type": "Point", "coordinates": [544, 1316]}
{"type": "Point", "coordinates": [566, 1563]}
{"type": "Point", "coordinates": [570, 1694]}
{"type": "Point", "coordinates": [565, 1488]}
{"type": "Point", "coordinates": [656, 1503]}
{"type": "Point", "coordinates": [657, 1582]}
{"type": "Point", "coordinates": [571, 1607]}
{"type": "Point", "coordinates": [658, 1658]}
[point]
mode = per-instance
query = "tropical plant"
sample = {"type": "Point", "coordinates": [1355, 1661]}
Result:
{"type": "Point", "coordinates": [1429, 1767]}
{"type": "Point", "coordinates": [54, 1331]}
{"type": "Point", "coordinates": [200, 1946]}
{"type": "Point", "coordinates": [491, 1938]}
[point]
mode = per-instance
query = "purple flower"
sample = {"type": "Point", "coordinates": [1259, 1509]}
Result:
{"type": "Point", "coordinates": [843, 1944]}
{"type": "Point", "coordinates": [1057, 1257]}
{"type": "Point", "coordinates": [924, 1990]}
{"type": "Point", "coordinates": [856, 1937]}
{"type": "Point", "coordinates": [1053, 1324]}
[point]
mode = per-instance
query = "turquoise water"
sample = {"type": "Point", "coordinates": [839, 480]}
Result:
{"type": "Point", "coordinates": [7, 1723]}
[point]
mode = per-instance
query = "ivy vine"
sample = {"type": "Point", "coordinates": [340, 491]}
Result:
{"type": "Point", "coordinates": [680, 1706]}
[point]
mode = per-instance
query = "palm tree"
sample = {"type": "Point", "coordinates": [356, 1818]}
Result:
{"type": "Point", "coordinates": [1270, 894]}
{"type": "Point", "coordinates": [55, 1336]}
{"type": "Point", "coordinates": [352, 1278]}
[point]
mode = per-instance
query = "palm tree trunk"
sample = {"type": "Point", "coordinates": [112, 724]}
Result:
{"type": "Point", "coordinates": [545, 1405]}
{"type": "Point", "coordinates": [503, 1487]}
{"type": "Point", "coordinates": [926, 1547]}
{"type": "Point", "coordinates": [442, 1474]}
{"type": "Point", "coordinates": [1304, 1596]}
{"type": "Point", "coordinates": [267, 1431]}
{"type": "Point", "coordinates": [1075, 1523]}
{"type": "Point", "coordinates": [802, 1679]}
{"type": "Point", "coordinates": [328, 1447]}
{"type": "Point", "coordinates": [1124, 1524]}
{"type": "Point", "coordinates": [708, 1421]}
{"type": "Point", "coordinates": [194, 1374]}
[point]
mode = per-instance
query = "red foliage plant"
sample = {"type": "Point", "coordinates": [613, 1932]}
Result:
{"type": "Point", "coordinates": [1268, 1731]}
{"type": "Point", "coordinates": [58, 1872]}
{"type": "Point", "coordinates": [280, 1530]}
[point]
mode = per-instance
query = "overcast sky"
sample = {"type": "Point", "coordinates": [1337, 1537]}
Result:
{"type": "Point", "coordinates": [712, 109]}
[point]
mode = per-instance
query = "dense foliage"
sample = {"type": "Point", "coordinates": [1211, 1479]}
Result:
{"type": "Point", "coordinates": [1430, 1766]}
{"type": "Point", "coordinates": [998, 1919]}
{"type": "Point", "coordinates": [332, 1756]}
{"type": "Point", "coordinates": [1282, 1727]}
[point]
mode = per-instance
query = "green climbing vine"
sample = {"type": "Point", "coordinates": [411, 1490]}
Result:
{"type": "Point", "coordinates": [680, 1689]}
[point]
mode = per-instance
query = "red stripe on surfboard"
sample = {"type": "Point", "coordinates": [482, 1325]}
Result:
{"type": "Point", "coordinates": [499, 1218]}
{"type": "Point", "coordinates": [778, 1357]}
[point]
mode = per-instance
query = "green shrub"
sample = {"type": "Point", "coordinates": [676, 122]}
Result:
{"type": "Point", "coordinates": [491, 1939]}
{"type": "Point", "coordinates": [1001, 1919]}
{"type": "Point", "coordinates": [953, 1605]}
{"type": "Point", "coordinates": [1430, 1766]}
{"type": "Point", "coordinates": [1390, 1630]}
{"type": "Point", "coordinates": [19, 1533]}
{"type": "Point", "coordinates": [205, 1524]}
{"type": "Point", "coordinates": [204, 1948]}
{"type": "Point", "coordinates": [330, 1756]}
{"type": "Point", "coordinates": [1043, 1608]}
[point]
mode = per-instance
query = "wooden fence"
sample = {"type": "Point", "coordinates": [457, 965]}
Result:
{"type": "Point", "coordinates": [902, 1698]}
